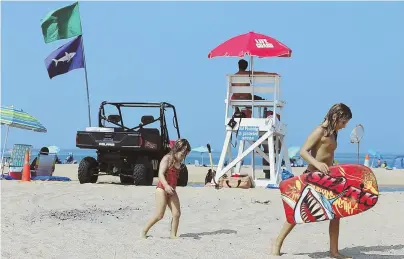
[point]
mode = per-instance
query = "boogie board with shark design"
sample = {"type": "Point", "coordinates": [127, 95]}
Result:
{"type": "Point", "coordinates": [347, 190]}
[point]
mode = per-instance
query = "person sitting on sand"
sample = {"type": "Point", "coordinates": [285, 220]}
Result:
{"type": "Point", "coordinates": [44, 151]}
{"type": "Point", "coordinates": [69, 159]}
{"type": "Point", "coordinates": [169, 170]}
{"type": "Point", "coordinates": [384, 165]}
{"type": "Point", "coordinates": [318, 151]}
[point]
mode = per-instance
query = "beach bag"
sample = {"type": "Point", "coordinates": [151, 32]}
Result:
{"type": "Point", "coordinates": [239, 181]}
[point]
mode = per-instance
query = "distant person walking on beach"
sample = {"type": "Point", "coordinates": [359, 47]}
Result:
{"type": "Point", "coordinates": [318, 151]}
{"type": "Point", "coordinates": [166, 195]}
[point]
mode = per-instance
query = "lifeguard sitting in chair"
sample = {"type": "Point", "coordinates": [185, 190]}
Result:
{"type": "Point", "coordinates": [43, 164]}
{"type": "Point", "coordinates": [242, 70]}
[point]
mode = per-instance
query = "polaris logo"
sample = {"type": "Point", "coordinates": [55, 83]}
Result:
{"type": "Point", "coordinates": [106, 144]}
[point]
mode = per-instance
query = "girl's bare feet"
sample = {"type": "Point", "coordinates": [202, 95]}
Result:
{"type": "Point", "coordinates": [143, 234]}
{"type": "Point", "coordinates": [173, 237]}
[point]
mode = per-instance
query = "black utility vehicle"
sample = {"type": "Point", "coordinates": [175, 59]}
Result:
{"type": "Point", "coordinates": [132, 153]}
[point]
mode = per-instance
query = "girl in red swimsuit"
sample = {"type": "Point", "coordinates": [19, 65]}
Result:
{"type": "Point", "coordinates": [166, 195]}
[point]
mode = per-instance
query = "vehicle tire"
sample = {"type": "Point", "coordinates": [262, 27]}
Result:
{"type": "Point", "coordinates": [87, 167]}
{"type": "Point", "coordinates": [143, 172]}
{"type": "Point", "coordinates": [140, 174]}
{"type": "Point", "coordinates": [183, 177]}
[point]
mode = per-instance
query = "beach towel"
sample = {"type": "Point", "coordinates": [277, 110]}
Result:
{"type": "Point", "coordinates": [51, 178]}
{"type": "Point", "coordinates": [40, 178]}
{"type": "Point", "coordinates": [7, 177]}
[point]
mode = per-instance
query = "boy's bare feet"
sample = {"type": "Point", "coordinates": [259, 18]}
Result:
{"type": "Point", "coordinates": [339, 256]}
{"type": "Point", "coordinates": [276, 248]}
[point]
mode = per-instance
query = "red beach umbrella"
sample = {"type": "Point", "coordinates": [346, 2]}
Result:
{"type": "Point", "coordinates": [251, 44]}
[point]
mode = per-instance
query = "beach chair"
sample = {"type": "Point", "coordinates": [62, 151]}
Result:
{"type": "Point", "coordinates": [17, 159]}
{"type": "Point", "coordinates": [45, 165]}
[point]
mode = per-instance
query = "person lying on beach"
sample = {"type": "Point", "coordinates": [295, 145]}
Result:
{"type": "Point", "coordinates": [166, 195]}
{"type": "Point", "coordinates": [318, 151]}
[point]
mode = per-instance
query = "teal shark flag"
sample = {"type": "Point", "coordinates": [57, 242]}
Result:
{"type": "Point", "coordinates": [62, 23]}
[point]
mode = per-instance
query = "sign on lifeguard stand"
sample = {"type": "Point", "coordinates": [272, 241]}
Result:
{"type": "Point", "coordinates": [248, 133]}
{"type": "Point", "coordinates": [257, 129]}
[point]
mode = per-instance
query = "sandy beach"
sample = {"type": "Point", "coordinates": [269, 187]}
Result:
{"type": "Point", "coordinates": [104, 220]}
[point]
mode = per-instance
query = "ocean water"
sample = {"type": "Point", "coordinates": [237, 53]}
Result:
{"type": "Point", "coordinates": [342, 158]}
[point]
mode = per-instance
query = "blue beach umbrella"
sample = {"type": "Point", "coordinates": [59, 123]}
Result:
{"type": "Point", "coordinates": [202, 150]}
{"type": "Point", "coordinates": [18, 119]}
{"type": "Point", "coordinates": [293, 151]}
{"type": "Point", "coordinates": [374, 154]}
{"type": "Point", "coordinates": [54, 149]}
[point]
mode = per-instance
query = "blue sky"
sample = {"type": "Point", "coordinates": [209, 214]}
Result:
{"type": "Point", "coordinates": [350, 52]}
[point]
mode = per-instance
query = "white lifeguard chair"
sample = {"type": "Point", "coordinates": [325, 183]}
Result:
{"type": "Point", "coordinates": [256, 130]}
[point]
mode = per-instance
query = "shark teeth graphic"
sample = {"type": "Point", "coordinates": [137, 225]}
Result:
{"type": "Point", "coordinates": [311, 209]}
{"type": "Point", "coordinates": [312, 206]}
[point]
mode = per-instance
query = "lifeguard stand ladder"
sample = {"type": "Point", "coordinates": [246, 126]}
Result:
{"type": "Point", "coordinates": [258, 130]}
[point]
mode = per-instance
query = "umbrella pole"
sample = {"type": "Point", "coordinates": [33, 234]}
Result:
{"type": "Point", "coordinates": [4, 149]}
{"type": "Point", "coordinates": [252, 68]}
{"type": "Point", "coordinates": [252, 83]}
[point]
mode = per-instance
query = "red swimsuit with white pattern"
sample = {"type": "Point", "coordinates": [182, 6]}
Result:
{"type": "Point", "coordinates": [171, 176]}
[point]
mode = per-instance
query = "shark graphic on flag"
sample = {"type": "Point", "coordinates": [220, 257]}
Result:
{"type": "Point", "coordinates": [66, 58]}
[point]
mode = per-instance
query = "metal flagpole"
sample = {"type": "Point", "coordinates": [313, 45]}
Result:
{"type": "Point", "coordinates": [85, 73]}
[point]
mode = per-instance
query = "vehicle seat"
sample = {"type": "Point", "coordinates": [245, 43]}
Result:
{"type": "Point", "coordinates": [114, 118]}
{"type": "Point", "coordinates": [150, 134]}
